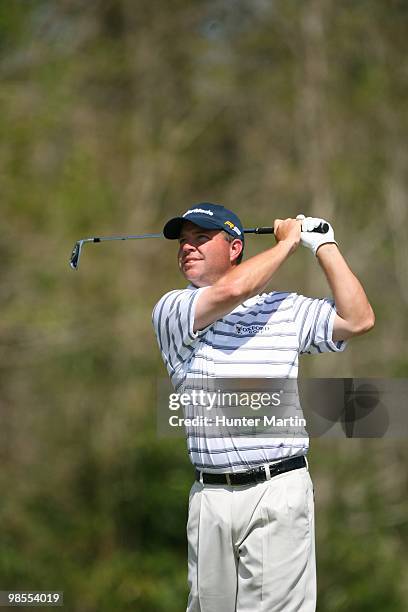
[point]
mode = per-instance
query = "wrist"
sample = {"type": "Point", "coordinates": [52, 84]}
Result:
{"type": "Point", "coordinates": [326, 248]}
{"type": "Point", "coordinates": [287, 246]}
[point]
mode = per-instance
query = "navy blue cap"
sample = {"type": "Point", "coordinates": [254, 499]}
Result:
{"type": "Point", "coordinates": [209, 216]}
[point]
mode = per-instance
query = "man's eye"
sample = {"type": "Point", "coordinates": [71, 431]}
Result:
{"type": "Point", "coordinates": [200, 238]}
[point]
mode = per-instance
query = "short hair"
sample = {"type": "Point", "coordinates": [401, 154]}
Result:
{"type": "Point", "coordinates": [230, 238]}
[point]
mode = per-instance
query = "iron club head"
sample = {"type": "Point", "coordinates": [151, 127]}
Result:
{"type": "Point", "coordinates": [75, 255]}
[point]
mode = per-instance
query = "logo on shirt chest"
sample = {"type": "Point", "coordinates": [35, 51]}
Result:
{"type": "Point", "coordinates": [253, 330]}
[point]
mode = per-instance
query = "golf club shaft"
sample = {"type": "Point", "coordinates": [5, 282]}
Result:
{"type": "Point", "coordinates": [76, 251]}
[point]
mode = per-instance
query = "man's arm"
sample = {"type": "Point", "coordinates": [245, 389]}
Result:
{"type": "Point", "coordinates": [354, 313]}
{"type": "Point", "coordinates": [248, 278]}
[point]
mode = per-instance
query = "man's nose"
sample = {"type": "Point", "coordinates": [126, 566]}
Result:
{"type": "Point", "coordinates": [187, 246]}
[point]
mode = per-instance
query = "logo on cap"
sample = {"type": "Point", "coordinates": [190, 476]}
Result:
{"type": "Point", "coordinates": [198, 210]}
{"type": "Point", "coordinates": [233, 227]}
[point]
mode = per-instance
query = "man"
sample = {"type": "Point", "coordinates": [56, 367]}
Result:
{"type": "Point", "coordinates": [251, 514]}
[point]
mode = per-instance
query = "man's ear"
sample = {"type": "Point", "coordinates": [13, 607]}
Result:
{"type": "Point", "coordinates": [236, 248]}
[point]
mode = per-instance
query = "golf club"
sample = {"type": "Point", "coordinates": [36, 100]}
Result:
{"type": "Point", "coordinates": [77, 250]}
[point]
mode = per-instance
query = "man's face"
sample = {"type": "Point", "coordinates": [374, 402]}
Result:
{"type": "Point", "coordinates": [204, 255]}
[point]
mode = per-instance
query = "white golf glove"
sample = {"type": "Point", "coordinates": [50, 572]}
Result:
{"type": "Point", "coordinates": [313, 240]}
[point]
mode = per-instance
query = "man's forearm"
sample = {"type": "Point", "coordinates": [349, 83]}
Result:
{"type": "Point", "coordinates": [252, 276]}
{"type": "Point", "coordinates": [350, 298]}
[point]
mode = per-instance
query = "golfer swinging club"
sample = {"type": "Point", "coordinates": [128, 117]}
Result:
{"type": "Point", "coordinates": [250, 526]}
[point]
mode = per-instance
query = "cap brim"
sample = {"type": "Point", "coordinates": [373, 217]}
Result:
{"type": "Point", "coordinates": [173, 227]}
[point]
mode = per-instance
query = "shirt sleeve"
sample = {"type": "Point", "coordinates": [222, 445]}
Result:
{"type": "Point", "coordinates": [314, 319]}
{"type": "Point", "coordinates": [173, 322]}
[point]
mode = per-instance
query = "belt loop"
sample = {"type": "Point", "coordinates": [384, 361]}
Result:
{"type": "Point", "coordinates": [307, 463]}
{"type": "Point", "coordinates": [228, 478]}
{"type": "Point", "coordinates": [267, 471]}
{"type": "Point", "coordinates": [201, 477]}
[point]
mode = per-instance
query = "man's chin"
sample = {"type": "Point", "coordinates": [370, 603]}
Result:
{"type": "Point", "coordinates": [194, 279]}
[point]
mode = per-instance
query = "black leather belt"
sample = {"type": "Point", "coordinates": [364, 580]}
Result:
{"type": "Point", "coordinates": [255, 475]}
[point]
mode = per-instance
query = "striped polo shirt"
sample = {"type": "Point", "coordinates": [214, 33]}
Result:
{"type": "Point", "coordinates": [260, 338]}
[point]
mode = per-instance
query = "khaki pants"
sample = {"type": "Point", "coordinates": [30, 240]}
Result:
{"type": "Point", "coordinates": [251, 548]}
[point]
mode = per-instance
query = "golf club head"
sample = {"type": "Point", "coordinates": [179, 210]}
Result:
{"type": "Point", "coordinates": [76, 254]}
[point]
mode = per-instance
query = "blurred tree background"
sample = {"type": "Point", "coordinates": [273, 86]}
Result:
{"type": "Point", "coordinates": [115, 115]}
